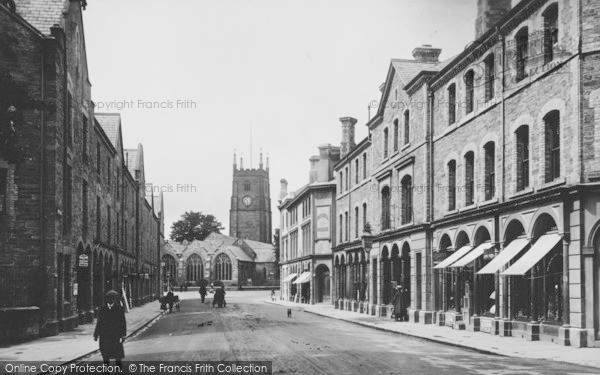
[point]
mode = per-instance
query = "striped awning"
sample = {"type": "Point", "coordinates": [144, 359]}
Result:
{"type": "Point", "coordinates": [454, 257]}
{"type": "Point", "coordinates": [304, 278]}
{"type": "Point", "coordinates": [289, 277]}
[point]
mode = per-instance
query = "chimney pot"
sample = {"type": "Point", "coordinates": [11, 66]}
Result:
{"type": "Point", "coordinates": [283, 191]}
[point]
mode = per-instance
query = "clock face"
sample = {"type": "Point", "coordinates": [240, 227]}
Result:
{"type": "Point", "coordinates": [247, 201]}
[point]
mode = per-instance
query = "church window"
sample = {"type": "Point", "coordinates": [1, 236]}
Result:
{"type": "Point", "coordinates": [223, 267]}
{"type": "Point", "coordinates": [194, 268]}
{"type": "Point", "coordinates": [246, 185]}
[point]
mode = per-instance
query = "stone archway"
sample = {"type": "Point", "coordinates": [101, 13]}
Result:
{"type": "Point", "coordinates": [323, 284]}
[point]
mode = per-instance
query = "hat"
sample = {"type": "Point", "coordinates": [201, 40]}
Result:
{"type": "Point", "coordinates": [111, 294]}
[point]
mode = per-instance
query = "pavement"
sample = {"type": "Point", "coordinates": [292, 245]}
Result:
{"type": "Point", "coordinates": [71, 345]}
{"type": "Point", "coordinates": [478, 341]}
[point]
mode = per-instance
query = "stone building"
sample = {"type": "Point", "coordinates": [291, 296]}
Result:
{"type": "Point", "coordinates": [353, 214]}
{"type": "Point", "coordinates": [250, 213]}
{"type": "Point", "coordinates": [234, 261]}
{"type": "Point", "coordinates": [308, 232]}
{"type": "Point", "coordinates": [485, 170]}
{"type": "Point", "coordinates": [74, 222]}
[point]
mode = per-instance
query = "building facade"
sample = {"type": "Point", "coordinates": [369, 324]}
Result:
{"type": "Point", "coordinates": [250, 213]}
{"type": "Point", "coordinates": [74, 222]}
{"type": "Point", "coordinates": [233, 261]}
{"type": "Point", "coordinates": [484, 180]}
{"type": "Point", "coordinates": [308, 232]}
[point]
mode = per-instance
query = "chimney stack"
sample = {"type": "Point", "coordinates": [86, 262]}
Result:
{"type": "Point", "coordinates": [426, 53]}
{"type": "Point", "coordinates": [314, 172]}
{"type": "Point", "coordinates": [489, 12]}
{"type": "Point", "coordinates": [348, 143]}
{"type": "Point", "coordinates": [283, 191]}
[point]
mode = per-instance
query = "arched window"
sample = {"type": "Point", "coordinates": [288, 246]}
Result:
{"type": "Point", "coordinates": [469, 178]}
{"type": "Point", "coordinates": [522, 43]}
{"type": "Point", "coordinates": [386, 145]}
{"type": "Point", "coordinates": [356, 172]}
{"type": "Point", "coordinates": [522, 157]}
{"type": "Point", "coordinates": [451, 104]}
{"type": "Point", "coordinates": [341, 228]}
{"type": "Point", "coordinates": [194, 268]}
{"type": "Point", "coordinates": [364, 166]}
{"type": "Point", "coordinates": [223, 267]}
{"type": "Point", "coordinates": [396, 135]}
{"type": "Point", "coordinates": [347, 229]}
{"type": "Point", "coordinates": [341, 182]}
{"type": "Point", "coordinates": [490, 170]}
{"type": "Point", "coordinates": [364, 215]}
{"type": "Point", "coordinates": [550, 32]}
{"type": "Point", "coordinates": [452, 185]}
{"type": "Point", "coordinates": [407, 199]}
{"type": "Point", "coordinates": [470, 90]}
{"type": "Point", "coordinates": [552, 145]}
{"type": "Point", "coordinates": [385, 208]}
{"type": "Point", "coordinates": [490, 76]}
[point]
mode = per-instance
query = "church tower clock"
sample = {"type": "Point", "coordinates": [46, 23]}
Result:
{"type": "Point", "coordinates": [250, 213]}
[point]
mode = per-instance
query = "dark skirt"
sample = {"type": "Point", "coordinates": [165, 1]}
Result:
{"type": "Point", "coordinates": [111, 347]}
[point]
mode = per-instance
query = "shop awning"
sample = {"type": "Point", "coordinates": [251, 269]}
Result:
{"type": "Point", "coordinates": [473, 254]}
{"type": "Point", "coordinates": [539, 249]}
{"type": "Point", "coordinates": [289, 277]}
{"type": "Point", "coordinates": [505, 256]}
{"type": "Point", "coordinates": [454, 257]}
{"type": "Point", "coordinates": [304, 278]}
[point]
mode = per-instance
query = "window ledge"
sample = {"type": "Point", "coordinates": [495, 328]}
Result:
{"type": "Point", "coordinates": [548, 185]}
{"type": "Point", "coordinates": [488, 202]}
{"type": "Point", "coordinates": [405, 146]}
{"type": "Point", "coordinates": [395, 153]}
{"type": "Point", "coordinates": [407, 225]}
{"type": "Point", "coordinates": [521, 193]}
{"type": "Point", "coordinates": [454, 211]}
{"type": "Point", "coordinates": [470, 207]}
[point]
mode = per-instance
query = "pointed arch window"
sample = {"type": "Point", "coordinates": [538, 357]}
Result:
{"type": "Point", "coordinates": [223, 267]}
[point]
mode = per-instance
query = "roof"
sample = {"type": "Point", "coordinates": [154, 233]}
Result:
{"type": "Point", "coordinates": [239, 253]}
{"type": "Point", "coordinates": [42, 14]}
{"type": "Point", "coordinates": [110, 123]}
{"type": "Point", "coordinates": [220, 238]}
{"type": "Point", "coordinates": [408, 69]}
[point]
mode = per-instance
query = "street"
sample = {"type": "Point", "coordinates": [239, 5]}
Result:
{"type": "Point", "coordinates": [250, 329]}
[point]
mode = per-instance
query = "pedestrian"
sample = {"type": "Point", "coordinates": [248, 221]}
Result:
{"type": "Point", "coordinates": [170, 300]}
{"type": "Point", "coordinates": [202, 291]}
{"type": "Point", "coordinates": [399, 304]}
{"type": "Point", "coordinates": [223, 296]}
{"type": "Point", "coordinates": [111, 329]}
{"type": "Point", "coordinates": [273, 294]}
{"type": "Point", "coordinates": [217, 298]}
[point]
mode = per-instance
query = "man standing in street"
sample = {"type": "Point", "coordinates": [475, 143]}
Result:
{"type": "Point", "coordinates": [111, 328]}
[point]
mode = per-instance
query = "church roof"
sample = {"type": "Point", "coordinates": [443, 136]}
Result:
{"type": "Point", "coordinates": [239, 253]}
{"type": "Point", "coordinates": [217, 238]}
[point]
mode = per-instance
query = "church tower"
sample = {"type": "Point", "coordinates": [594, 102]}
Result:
{"type": "Point", "coordinates": [250, 213]}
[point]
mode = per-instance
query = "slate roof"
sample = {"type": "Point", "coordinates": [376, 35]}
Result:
{"type": "Point", "coordinates": [239, 253]}
{"type": "Point", "coordinates": [408, 69]}
{"type": "Point", "coordinates": [110, 123]}
{"type": "Point", "coordinates": [220, 238]}
{"type": "Point", "coordinates": [42, 14]}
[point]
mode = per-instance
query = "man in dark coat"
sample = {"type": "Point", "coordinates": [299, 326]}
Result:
{"type": "Point", "coordinates": [202, 292]}
{"type": "Point", "coordinates": [111, 328]}
{"type": "Point", "coordinates": [399, 304]}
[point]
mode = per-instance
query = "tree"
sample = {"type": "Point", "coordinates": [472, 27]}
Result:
{"type": "Point", "coordinates": [194, 226]}
{"type": "Point", "coordinates": [276, 245]}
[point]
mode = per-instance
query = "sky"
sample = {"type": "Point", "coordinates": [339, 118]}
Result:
{"type": "Point", "coordinates": [196, 79]}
